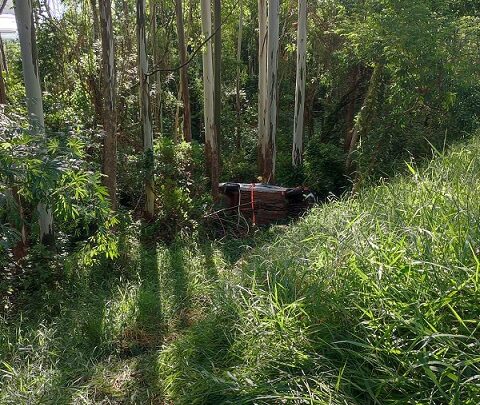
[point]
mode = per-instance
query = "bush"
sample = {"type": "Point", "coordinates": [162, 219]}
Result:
{"type": "Point", "coordinates": [180, 186]}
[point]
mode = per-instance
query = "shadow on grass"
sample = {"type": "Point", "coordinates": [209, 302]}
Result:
{"type": "Point", "coordinates": [63, 324]}
{"type": "Point", "coordinates": [180, 305]}
{"type": "Point", "coordinates": [149, 330]}
{"type": "Point", "coordinates": [176, 277]}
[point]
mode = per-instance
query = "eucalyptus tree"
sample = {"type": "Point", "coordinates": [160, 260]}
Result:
{"type": "Point", "coordinates": [93, 78]}
{"type": "Point", "coordinates": [145, 113]}
{"type": "Point", "coordinates": [239, 70]}
{"type": "Point", "coordinates": [298, 121]}
{"type": "Point", "coordinates": [211, 141]}
{"type": "Point", "coordinates": [262, 81]}
{"type": "Point", "coordinates": [157, 109]}
{"type": "Point", "coordinates": [269, 149]}
{"type": "Point", "coordinates": [218, 69]}
{"type": "Point", "coordinates": [109, 110]}
{"type": "Point", "coordinates": [27, 37]}
{"type": "Point", "coordinates": [187, 115]}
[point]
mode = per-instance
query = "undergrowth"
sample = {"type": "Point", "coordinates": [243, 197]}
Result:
{"type": "Point", "coordinates": [367, 300]}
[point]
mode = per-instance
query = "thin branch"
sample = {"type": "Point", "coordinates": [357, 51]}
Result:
{"type": "Point", "coordinates": [193, 54]}
{"type": "Point", "coordinates": [2, 7]}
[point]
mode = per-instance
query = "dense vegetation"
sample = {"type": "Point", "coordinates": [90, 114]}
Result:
{"type": "Point", "coordinates": [372, 300]}
{"type": "Point", "coordinates": [121, 280]}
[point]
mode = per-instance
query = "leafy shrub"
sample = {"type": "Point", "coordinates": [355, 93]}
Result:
{"type": "Point", "coordinates": [53, 171]}
{"type": "Point", "coordinates": [180, 186]}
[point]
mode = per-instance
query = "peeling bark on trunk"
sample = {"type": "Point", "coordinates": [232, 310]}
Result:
{"type": "Point", "coordinates": [239, 71]}
{"type": "Point", "coordinates": [145, 114]}
{"type": "Point", "coordinates": [109, 108]}
{"type": "Point", "coordinates": [298, 120]}
{"type": "Point", "coordinates": [262, 80]}
{"type": "Point", "coordinates": [211, 144]}
{"type": "Point", "coordinates": [187, 116]}
{"type": "Point", "coordinates": [269, 142]}
{"type": "Point", "coordinates": [26, 35]}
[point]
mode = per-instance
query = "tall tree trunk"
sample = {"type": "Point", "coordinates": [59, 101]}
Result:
{"type": "Point", "coordinates": [262, 81]}
{"type": "Point", "coordinates": [26, 35]}
{"type": "Point", "coordinates": [218, 73]}
{"type": "Point", "coordinates": [3, 89]}
{"type": "Point", "coordinates": [269, 148]}
{"type": "Point", "coordinates": [298, 119]}
{"type": "Point", "coordinates": [145, 114]}
{"type": "Point", "coordinates": [20, 249]}
{"type": "Point", "coordinates": [109, 110]}
{"type": "Point", "coordinates": [239, 71]}
{"type": "Point", "coordinates": [96, 21]}
{"type": "Point", "coordinates": [178, 130]}
{"type": "Point", "coordinates": [182, 51]}
{"type": "Point", "coordinates": [157, 103]}
{"type": "Point", "coordinates": [93, 79]}
{"type": "Point", "coordinates": [350, 113]}
{"type": "Point", "coordinates": [3, 56]}
{"type": "Point", "coordinates": [211, 144]}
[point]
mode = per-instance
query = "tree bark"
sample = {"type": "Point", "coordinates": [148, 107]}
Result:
{"type": "Point", "coordinates": [26, 35]}
{"type": "Point", "coordinates": [3, 56]}
{"type": "Point", "coordinates": [95, 18]}
{"type": "Point", "coordinates": [218, 73]}
{"type": "Point", "coordinates": [182, 51]}
{"type": "Point", "coordinates": [211, 143]}
{"type": "Point", "coordinates": [239, 71]}
{"type": "Point", "coordinates": [350, 113]}
{"type": "Point", "coordinates": [269, 143]}
{"type": "Point", "coordinates": [20, 249]}
{"type": "Point", "coordinates": [145, 113]}
{"type": "Point", "coordinates": [93, 80]}
{"type": "Point", "coordinates": [262, 81]}
{"type": "Point", "coordinates": [109, 105]}
{"type": "Point", "coordinates": [157, 102]}
{"type": "Point", "coordinates": [298, 120]}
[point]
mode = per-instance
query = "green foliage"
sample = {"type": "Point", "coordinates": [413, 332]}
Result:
{"type": "Point", "coordinates": [53, 171]}
{"type": "Point", "coordinates": [180, 187]}
{"type": "Point", "coordinates": [323, 168]}
{"type": "Point", "coordinates": [366, 300]}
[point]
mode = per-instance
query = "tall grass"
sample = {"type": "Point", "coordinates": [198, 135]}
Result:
{"type": "Point", "coordinates": [367, 300]}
